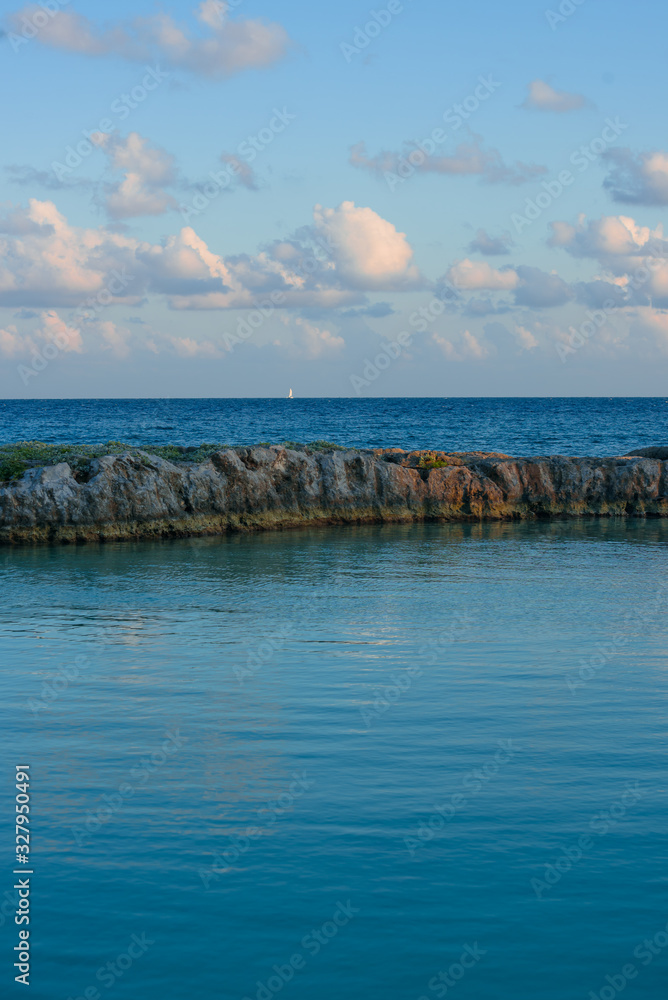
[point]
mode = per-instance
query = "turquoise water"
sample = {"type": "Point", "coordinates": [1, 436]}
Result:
{"type": "Point", "coordinates": [379, 737]}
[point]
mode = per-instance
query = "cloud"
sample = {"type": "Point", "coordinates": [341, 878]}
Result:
{"type": "Point", "coordinates": [490, 246]}
{"type": "Point", "coordinates": [346, 252]}
{"type": "Point", "coordinates": [468, 159]}
{"type": "Point", "coordinates": [27, 176]}
{"type": "Point", "coordinates": [525, 338]}
{"type": "Point", "coordinates": [16, 222]}
{"type": "Point", "coordinates": [540, 290]}
{"type": "Point", "coordinates": [11, 343]}
{"type": "Point", "coordinates": [634, 259]}
{"type": "Point", "coordinates": [54, 328]}
{"type": "Point", "coordinates": [468, 348]}
{"type": "Point", "coordinates": [652, 326]}
{"type": "Point", "coordinates": [611, 235]}
{"type": "Point", "coordinates": [379, 310]}
{"type": "Point", "coordinates": [483, 306]}
{"type": "Point", "coordinates": [476, 275]}
{"type": "Point", "coordinates": [187, 347]}
{"type": "Point", "coordinates": [241, 170]}
{"type": "Point", "coordinates": [531, 286]}
{"type": "Point", "coordinates": [51, 329]}
{"type": "Point", "coordinates": [598, 293]}
{"type": "Point", "coordinates": [147, 171]}
{"type": "Point", "coordinates": [543, 97]}
{"type": "Point", "coordinates": [310, 342]}
{"type": "Point", "coordinates": [46, 262]}
{"type": "Point", "coordinates": [367, 250]}
{"type": "Point", "coordinates": [227, 47]}
{"type": "Point", "coordinates": [637, 180]}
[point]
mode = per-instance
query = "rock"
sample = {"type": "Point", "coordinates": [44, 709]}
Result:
{"type": "Point", "coordinates": [138, 495]}
{"type": "Point", "coordinates": [660, 453]}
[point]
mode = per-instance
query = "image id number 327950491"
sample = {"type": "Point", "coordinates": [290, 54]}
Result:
{"type": "Point", "coordinates": [22, 916]}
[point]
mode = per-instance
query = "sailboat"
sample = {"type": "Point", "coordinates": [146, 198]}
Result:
{"type": "Point", "coordinates": [290, 396]}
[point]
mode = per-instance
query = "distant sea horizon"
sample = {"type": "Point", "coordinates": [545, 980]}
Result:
{"type": "Point", "coordinates": [519, 425]}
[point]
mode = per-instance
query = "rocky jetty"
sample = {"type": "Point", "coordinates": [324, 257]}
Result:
{"type": "Point", "coordinates": [138, 495]}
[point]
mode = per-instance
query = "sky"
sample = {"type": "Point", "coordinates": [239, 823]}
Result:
{"type": "Point", "coordinates": [412, 199]}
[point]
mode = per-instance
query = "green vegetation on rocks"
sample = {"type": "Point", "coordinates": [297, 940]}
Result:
{"type": "Point", "coordinates": [16, 459]}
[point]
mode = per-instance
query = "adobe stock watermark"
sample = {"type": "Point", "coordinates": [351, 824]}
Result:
{"type": "Point", "coordinates": [248, 151]}
{"type": "Point", "coordinates": [58, 684]}
{"type": "Point", "coordinates": [455, 116]}
{"type": "Point", "coordinates": [472, 784]}
{"type": "Point", "coordinates": [58, 343]}
{"type": "Point", "coordinates": [112, 804]}
{"type": "Point", "coordinates": [312, 943]}
{"type": "Point", "coordinates": [565, 10]}
{"type": "Point", "coordinates": [444, 981]}
{"type": "Point", "coordinates": [122, 107]}
{"type": "Point", "coordinates": [601, 824]}
{"type": "Point", "coordinates": [645, 952]}
{"type": "Point", "coordinates": [597, 318]}
{"type": "Point", "coordinates": [263, 653]}
{"type": "Point", "coordinates": [31, 26]}
{"type": "Point", "coordinates": [420, 321]}
{"type": "Point", "coordinates": [109, 974]}
{"type": "Point", "coordinates": [310, 264]}
{"type": "Point", "coordinates": [241, 843]}
{"type": "Point", "coordinates": [402, 680]}
{"type": "Point", "coordinates": [385, 697]}
{"type": "Point", "coordinates": [606, 651]}
{"type": "Point", "coordinates": [582, 158]}
{"type": "Point", "coordinates": [435, 647]}
{"type": "Point", "coordinates": [256, 318]}
{"type": "Point", "coordinates": [364, 35]}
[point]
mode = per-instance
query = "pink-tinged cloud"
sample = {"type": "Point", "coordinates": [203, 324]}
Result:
{"type": "Point", "coordinates": [543, 97]}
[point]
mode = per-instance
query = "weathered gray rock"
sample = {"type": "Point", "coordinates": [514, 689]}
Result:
{"type": "Point", "coordinates": [142, 496]}
{"type": "Point", "coordinates": [661, 453]}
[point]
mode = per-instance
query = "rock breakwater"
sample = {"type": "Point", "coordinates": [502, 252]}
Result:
{"type": "Point", "coordinates": [137, 495]}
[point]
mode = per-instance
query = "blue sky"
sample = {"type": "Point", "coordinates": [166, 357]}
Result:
{"type": "Point", "coordinates": [308, 262]}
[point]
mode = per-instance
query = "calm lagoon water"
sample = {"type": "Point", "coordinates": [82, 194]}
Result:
{"type": "Point", "coordinates": [371, 724]}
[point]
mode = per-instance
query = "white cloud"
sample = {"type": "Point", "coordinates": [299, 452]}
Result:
{"type": "Point", "coordinates": [634, 258]}
{"type": "Point", "coordinates": [543, 97]}
{"type": "Point", "coordinates": [476, 275]}
{"type": "Point", "coordinates": [55, 264]}
{"type": "Point", "coordinates": [367, 250]}
{"type": "Point", "coordinates": [610, 235]}
{"type": "Point", "coordinates": [147, 171]}
{"type": "Point", "coordinates": [230, 46]}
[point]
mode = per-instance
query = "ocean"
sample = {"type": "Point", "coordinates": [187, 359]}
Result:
{"type": "Point", "coordinates": [597, 426]}
{"type": "Point", "coordinates": [400, 761]}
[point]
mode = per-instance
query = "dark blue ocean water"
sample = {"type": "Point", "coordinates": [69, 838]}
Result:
{"type": "Point", "coordinates": [517, 426]}
{"type": "Point", "coordinates": [340, 762]}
